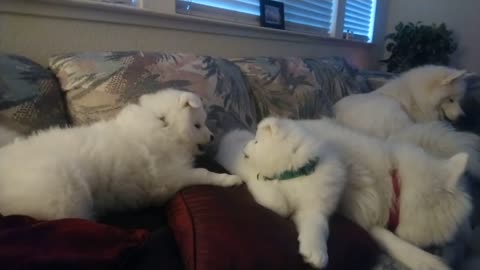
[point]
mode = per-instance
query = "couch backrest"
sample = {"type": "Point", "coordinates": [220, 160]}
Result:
{"type": "Point", "coordinates": [238, 92]}
{"type": "Point", "coordinates": [296, 87]}
{"type": "Point", "coordinates": [98, 85]}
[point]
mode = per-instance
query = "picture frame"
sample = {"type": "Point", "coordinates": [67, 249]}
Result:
{"type": "Point", "coordinates": [272, 14]}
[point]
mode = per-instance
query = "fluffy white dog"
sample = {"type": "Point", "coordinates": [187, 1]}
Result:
{"type": "Point", "coordinates": [143, 156]}
{"type": "Point", "coordinates": [292, 174]}
{"type": "Point", "coordinates": [418, 197]}
{"type": "Point", "coordinates": [420, 95]}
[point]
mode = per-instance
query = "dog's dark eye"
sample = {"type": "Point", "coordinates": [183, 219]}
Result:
{"type": "Point", "coordinates": [198, 126]}
{"type": "Point", "coordinates": [451, 100]}
{"type": "Point", "coordinates": [255, 142]}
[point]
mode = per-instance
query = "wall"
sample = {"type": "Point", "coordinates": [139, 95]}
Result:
{"type": "Point", "coordinates": [460, 16]}
{"type": "Point", "coordinates": [38, 29]}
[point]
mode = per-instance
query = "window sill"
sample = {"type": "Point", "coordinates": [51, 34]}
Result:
{"type": "Point", "coordinates": [118, 14]}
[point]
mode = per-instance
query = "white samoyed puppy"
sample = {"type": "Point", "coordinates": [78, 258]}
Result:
{"type": "Point", "coordinates": [405, 197]}
{"type": "Point", "coordinates": [291, 173]}
{"type": "Point", "coordinates": [420, 95]}
{"type": "Point", "coordinates": [142, 156]}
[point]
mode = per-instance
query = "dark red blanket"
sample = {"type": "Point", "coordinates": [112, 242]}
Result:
{"type": "Point", "coordinates": [70, 244]}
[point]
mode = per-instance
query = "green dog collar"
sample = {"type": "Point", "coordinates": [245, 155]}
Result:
{"type": "Point", "coordinates": [305, 170]}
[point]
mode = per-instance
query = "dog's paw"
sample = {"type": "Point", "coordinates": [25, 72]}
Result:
{"type": "Point", "coordinates": [314, 253]}
{"type": "Point", "coordinates": [427, 261]}
{"type": "Point", "coordinates": [228, 180]}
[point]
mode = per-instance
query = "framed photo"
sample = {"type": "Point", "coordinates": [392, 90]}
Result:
{"type": "Point", "coordinates": [272, 14]}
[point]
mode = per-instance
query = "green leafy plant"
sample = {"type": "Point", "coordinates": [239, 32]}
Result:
{"type": "Point", "coordinates": [413, 45]}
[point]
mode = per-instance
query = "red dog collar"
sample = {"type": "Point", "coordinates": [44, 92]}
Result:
{"type": "Point", "coordinates": [394, 218]}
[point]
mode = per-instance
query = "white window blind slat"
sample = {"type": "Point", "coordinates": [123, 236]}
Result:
{"type": "Point", "coordinates": [317, 3]}
{"type": "Point", "coordinates": [360, 13]}
{"type": "Point", "coordinates": [309, 12]}
{"type": "Point", "coordinates": [243, 6]}
{"type": "Point", "coordinates": [357, 30]}
{"type": "Point", "coordinates": [361, 5]}
{"type": "Point", "coordinates": [359, 18]}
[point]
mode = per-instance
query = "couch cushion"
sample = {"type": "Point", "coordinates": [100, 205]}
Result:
{"type": "Point", "coordinates": [98, 85]}
{"type": "Point", "coordinates": [223, 228]}
{"type": "Point", "coordinates": [30, 97]}
{"type": "Point", "coordinates": [297, 87]}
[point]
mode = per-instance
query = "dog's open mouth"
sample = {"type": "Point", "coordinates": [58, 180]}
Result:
{"type": "Point", "coordinates": [443, 115]}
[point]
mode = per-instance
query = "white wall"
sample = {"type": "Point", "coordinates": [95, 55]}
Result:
{"type": "Point", "coordinates": [462, 16]}
{"type": "Point", "coordinates": [37, 30]}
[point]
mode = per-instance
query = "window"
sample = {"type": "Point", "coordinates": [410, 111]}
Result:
{"type": "Point", "coordinates": [359, 18]}
{"type": "Point", "coordinates": [300, 15]}
{"type": "Point", "coordinates": [315, 16]}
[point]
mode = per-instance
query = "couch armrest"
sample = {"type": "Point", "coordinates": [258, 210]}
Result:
{"type": "Point", "coordinates": [224, 228]}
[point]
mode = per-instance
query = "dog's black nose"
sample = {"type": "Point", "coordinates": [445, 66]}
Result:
{"type": "Point", "coordinates": [212, 138]}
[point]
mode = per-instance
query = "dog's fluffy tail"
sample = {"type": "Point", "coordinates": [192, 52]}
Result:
{"type": "Point", "coordinates": [442, 140]}
{"type": "Point", "coordinates": [7, 135]}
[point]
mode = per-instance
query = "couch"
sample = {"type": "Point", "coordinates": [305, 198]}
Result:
{"type": "Point", "coordinates": [201, 227]}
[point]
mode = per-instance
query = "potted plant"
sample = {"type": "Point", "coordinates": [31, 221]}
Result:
{"type": "Point", "coordinates": [413, 45]}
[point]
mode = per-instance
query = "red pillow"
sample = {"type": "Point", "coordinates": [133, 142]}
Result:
{"type": "Point", "coordinates": [224, 228]}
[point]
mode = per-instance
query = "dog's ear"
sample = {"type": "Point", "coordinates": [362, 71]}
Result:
{"type": "Point", "coordinates": [453, 75]}
{"type": "Point", "coordinates": [270, 125]}
{"type": "Point", "coordinates": [190, 100]}
{"type": "Point", "coordinates": [456, 167]}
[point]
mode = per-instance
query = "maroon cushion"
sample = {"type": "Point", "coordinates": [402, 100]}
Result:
{"type": "Point", "coordinates": [223, 228]}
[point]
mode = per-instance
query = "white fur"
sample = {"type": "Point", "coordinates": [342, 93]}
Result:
{"type": "Point", "coordinates": [141, 157]}
{"type": "Point", "coordinates": [421, 95]}
{"type": "Point", "coordinates": [441, 140]}
{"type": "Point", "coordinates": [308, 200]}
{"type": "Point", "coordinates": [433, 203]}
{"type": "Point", "coordinates": [7, 135]}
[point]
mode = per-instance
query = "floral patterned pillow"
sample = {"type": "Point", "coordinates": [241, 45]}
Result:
{"type": "Point", "coordinates": [30, 96]}
{"type": "Point", "coordinates": [98, 85]}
